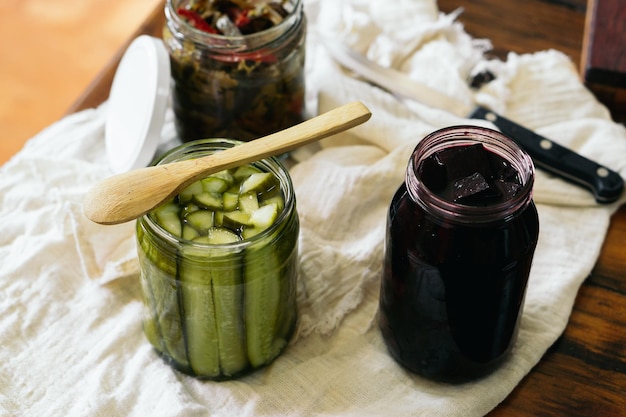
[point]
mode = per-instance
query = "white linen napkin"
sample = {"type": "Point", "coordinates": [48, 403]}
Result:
{"type": "Point", "coordinates": [70, 304]}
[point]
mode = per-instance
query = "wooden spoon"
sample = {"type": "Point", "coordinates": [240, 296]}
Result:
{"type": "Point", "coordinates": [127, 196]}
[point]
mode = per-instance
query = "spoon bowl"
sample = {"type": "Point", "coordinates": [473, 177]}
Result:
{"type": "Point", "coordinates": [125, 197]}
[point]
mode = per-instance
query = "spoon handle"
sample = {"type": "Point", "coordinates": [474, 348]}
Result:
{"type": "Point", "coordinates": [127, 196]}
{"type": "Point", "coordinates": [327, 124]}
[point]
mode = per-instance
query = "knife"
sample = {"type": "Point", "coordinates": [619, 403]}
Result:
{"type": "Point", "coordinates": [605, 184]}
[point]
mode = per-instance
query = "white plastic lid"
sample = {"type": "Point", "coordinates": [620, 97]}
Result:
{"type": "Point", "coordinates": [137, 103]}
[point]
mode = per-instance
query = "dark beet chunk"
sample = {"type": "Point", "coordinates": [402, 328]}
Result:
{"type": "Point", "coordinates": [463, 161]}
{"type": "Point", "coordinates": [433, 173]}
{"type": "Point", "coordinates": [503, 170]}
{"type": "Point", "coordinates": [470, 186]}
{"type": "Point", "coordinates": [507, 188]}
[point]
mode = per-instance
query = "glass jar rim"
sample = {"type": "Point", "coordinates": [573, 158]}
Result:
{"type": "Point", "coordinates": [207, 145]}
{"type": "Point", "coordinates": [494, 141]}
{"type": "Point", "coordinates": [234, 44]}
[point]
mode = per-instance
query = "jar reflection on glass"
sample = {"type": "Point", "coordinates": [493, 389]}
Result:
{"type": "Point", "coordinates": [455, 273]}
{"type": "Point", "coordinates": [219, 311]}
{"type": "Point", "coordinates": [237, 86]}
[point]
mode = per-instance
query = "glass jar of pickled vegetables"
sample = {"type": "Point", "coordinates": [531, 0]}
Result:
{"type": "Point", "coordinates": [461, 234]}
{"type": "Point", "coordinates": [237, 66]}
{"type": "Point", "coordinates": [219, 267]}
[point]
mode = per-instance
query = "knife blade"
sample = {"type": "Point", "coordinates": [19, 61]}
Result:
{"type": "Point", "coordinates": [605, 184]}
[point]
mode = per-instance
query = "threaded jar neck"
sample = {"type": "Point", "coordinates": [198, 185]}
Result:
{"type": "Point", "coordinates": [454, 212]}
{"type": "Point", "coordinates": [205, 147]}
{"type": "Point", "coordinates": [273, 37]}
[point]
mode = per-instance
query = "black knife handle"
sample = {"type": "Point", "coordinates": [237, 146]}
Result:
{"type": "Point", "coordinates": [605, 184]}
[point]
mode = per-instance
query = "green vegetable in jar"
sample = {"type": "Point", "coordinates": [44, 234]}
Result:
{"type": "Point", "coordinates": [237, 66]}
{"type": "Point", "coordinates": [219, 278]}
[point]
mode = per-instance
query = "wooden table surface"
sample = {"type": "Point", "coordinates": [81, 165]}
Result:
{"type": "Point", "coordinates": [584, 372]}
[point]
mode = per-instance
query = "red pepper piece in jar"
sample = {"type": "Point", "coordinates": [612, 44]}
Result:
{"type": "Point", "coordinates": [238, 16]}
{"type": "Point", "coordinates": [196, 20]}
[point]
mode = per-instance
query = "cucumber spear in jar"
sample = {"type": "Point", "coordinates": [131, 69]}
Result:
{"type": "Point", "coordinates": [229, 304]}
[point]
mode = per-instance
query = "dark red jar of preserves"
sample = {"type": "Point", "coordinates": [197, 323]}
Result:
{"type": "Point", "coordinates": [461, 234]}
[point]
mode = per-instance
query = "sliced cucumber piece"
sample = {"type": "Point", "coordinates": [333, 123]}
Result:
{"type": "Point", "coordinates": [214, 185]}
{"type": "Point", "coordinates": [221, 235]}
{"type": "Point", "coordinates": [188, 208]}
{"type": "Point", "coordinates": [225, 175]}
{"type": "Point", "coordinates": [270, 294]}
{"type": "Point", "coordinates": [159, 276]}
{"type": "Point", "coordinates": [168, 218]}
{"type": "Point", "coordinates": [248, 202]}
{"type": "Point", "coordinates": [244, 171]}
{"type": "Point", "coordinates": [228, 291]}
{"type": "Point", "coordinates": [218, 220]}
{"type": "Point", "coordinates": [190, 232]}
{"type": "Point", "coordinates": [210, 201]}
{"type": "Point", "coordinates": [249, 232]}
{"type": "Point", "coordinates": [201, 220]}
{"type": "Point", "coordinates": [231, 201]}
{"type": "Point", "coordinates": [204, 239]}
{"type": "Point", "coordinates": [277, 199]}
{"type": "Point", "coordinates": [228, 297]}
{"type": "Point", "coordinates": [236, 220]}
{"type": "Point", "coordinates": [186, 195]}
{"type": "Point", "coordinates": [262, 303]}
{"type": "Point", "coordinates": [199, 316]}
{"type": "Point", "coordinates": [258, 182]}
{"type": "Point", "coordinates": [150, 320]}
{"type": "Point", "coordinates": [264, 217]}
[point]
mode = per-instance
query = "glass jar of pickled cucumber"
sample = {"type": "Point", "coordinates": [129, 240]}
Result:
{"type": "Point", "coordinates": [461, 234]}
{"type": "Point", "coordinates": [237, 66]}
{"type": "Point", "coordinates": [219, 267]}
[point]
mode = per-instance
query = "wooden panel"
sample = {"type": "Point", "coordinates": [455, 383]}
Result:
{"type": "Point", "coordinates": [603, 62]}
{"type": "Point", "coordinates": [524, 26]}
{"type": "Point", "coordinates": [605, 43]}
{"type": "Point", "coordinates": [50, 52]}
{"type": "Point", "coordinates": [98, 90]}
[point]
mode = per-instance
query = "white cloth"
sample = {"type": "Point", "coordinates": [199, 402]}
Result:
{"type": "Point", "coordinates": [70, 302]}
